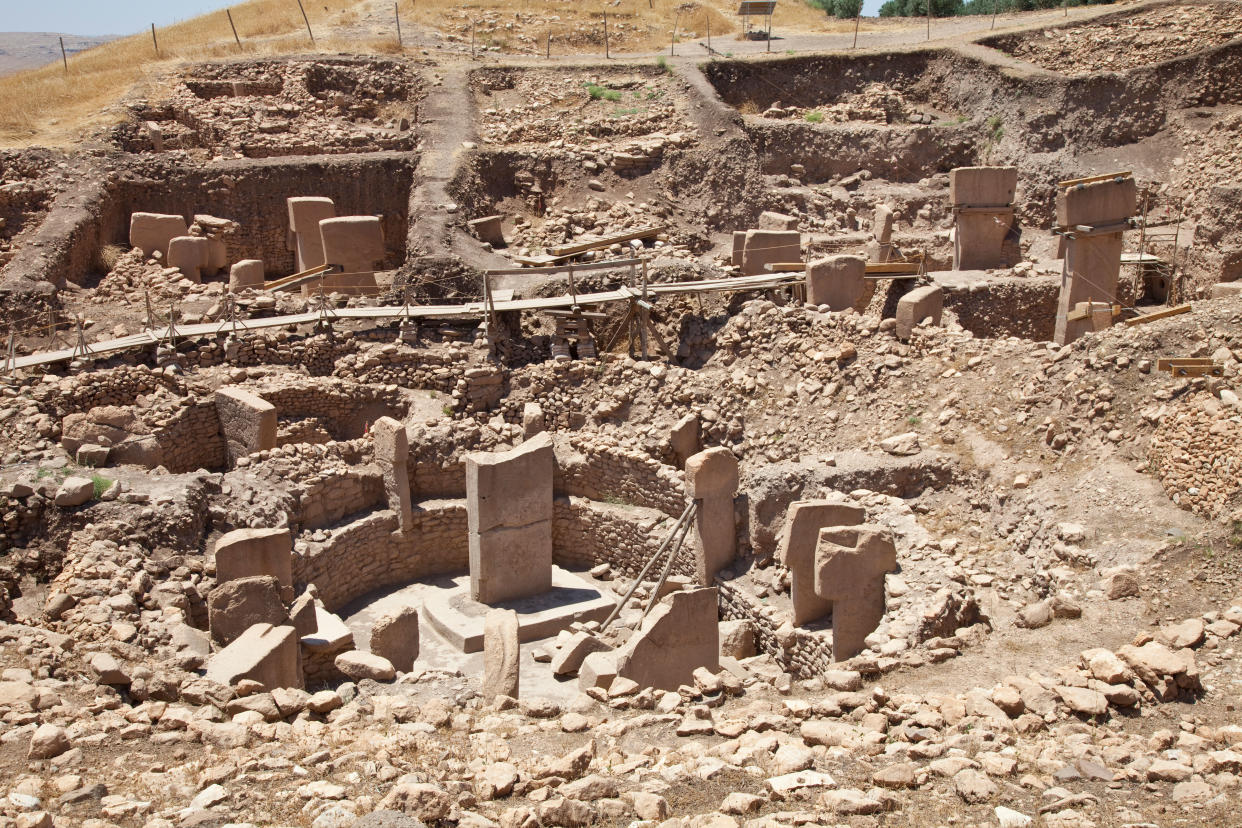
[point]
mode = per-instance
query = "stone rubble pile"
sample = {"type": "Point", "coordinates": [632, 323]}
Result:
{"type": "Point", "coordinates": [1138, 39]}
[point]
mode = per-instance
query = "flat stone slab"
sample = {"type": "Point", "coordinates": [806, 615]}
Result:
{"type": "Point", "coordinates": [459, 619]}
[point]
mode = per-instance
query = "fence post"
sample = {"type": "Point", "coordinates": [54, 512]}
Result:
{"type": "Point", "coordinates": [233, 27]}
{"type": "Point", "coordinates": [155, 42]}
{"type": "Point", "coordinates": [306, 20]}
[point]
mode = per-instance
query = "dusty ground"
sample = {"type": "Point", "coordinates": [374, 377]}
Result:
{"type": "Point", "coordinates": [1057, 501]}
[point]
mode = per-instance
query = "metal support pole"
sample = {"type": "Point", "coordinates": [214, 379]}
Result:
{"type": "Point", "coordinates": [672, 41]}
{"type": "Point", "coordinates": [672, 555]}
{"type": "Point", "coordinates": [396, 10]}
{"type": "Point", "coordinates": [155, 42]}
{"type": "Point", "coordinates": [233, 27]}
{"type": "Point", "coordinates": [929, 19]}
{"type": "Point", "coordinates": [857, 20]}
{"type": "Point", "coordinates": [64, 58]}
{"type": "Point", "coordinates": [606, 50]}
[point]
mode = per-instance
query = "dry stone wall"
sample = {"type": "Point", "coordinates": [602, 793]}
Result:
{"type": "Point", "coordinates": [599, 468]}
{"type": "Point", "coordinates": [586, 533]}
{"type": "Point", "coordinates": [1196, 452]}
{"type": "Point", "coordinates": [370, 553]}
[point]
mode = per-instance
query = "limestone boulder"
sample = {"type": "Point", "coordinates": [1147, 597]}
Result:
{"type": "Point", "coordinates": [395, 637]}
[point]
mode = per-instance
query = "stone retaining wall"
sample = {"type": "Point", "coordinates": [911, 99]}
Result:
{"type": "Point", "coordinates": [371, 553]}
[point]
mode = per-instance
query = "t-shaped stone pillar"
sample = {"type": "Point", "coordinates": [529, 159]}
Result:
{"type": "Point", "coordinates": [355, 243]}
{"type": "Point", "coordinates": [797, 550]}
{"type": "Point", "coordinates": [711, 479]}
{"type": "Point", "coordinates": [392, 451]}
{"type": "Point", "coordinates": [1092, 216]}
{"type": "Point", "coordinates": [305, 213]}
{"type": "Point", "coordinates": [509, 517]}
{"type": "Point", "coordinates": [850, 563]}
{"type": "Point", "coordinates": [982, 201]}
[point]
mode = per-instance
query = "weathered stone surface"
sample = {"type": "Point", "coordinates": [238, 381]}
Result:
{"type": "Point", "coordinates": [47, 742]}
{"type": "Point", "coordinates": [737, 638]}
{"type": "Point", "coordinates": [305, 213]}
{"type": "Point", "coordinates": [797, 550]}
{"type": "Point", "coordinates": [917, 305]}
{"type": "Point", "coordinates": [850, 566]}
{"type": "Point", "coordinates": [236, 605]}
{"type": "Point", "coordinates": [263, 653]}
{"type": "Point", "coordinates": [712, 478]}
{"type": "Point", "coordinates": [501, 654]}
{"type": "Point", "coordinates": [836, 281]}
{"type": "Point", "coordinates": [509, 510]}
{"type": "Point", "coordinates": [359, 665]}
{"type": "Point", "coordinates": [245, 553]}
{"type": "Point", "coordinates": [392, 451]}
{"type": "Point", "coordinates": [394, 636]}
{"type": "Point", "coordinates": [151, 232]}
{"type": "Point", "coordinates": [570, 657]}
{"type": "Point", "coordinates": [247, 421]}
{"type": "Point", "coordinates": [678, 636]}
{"type": "Point", "coordinates": [74, 491]}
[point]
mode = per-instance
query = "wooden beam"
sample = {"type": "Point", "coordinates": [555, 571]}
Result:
{"type": "Point", "coordinates": [1074, 182]}
{"type": "Point", "coordinates": [1182, 362]}
{"type": "Point", "coordinates": [902, 268]}
{"type": "Point", "coordinates": [1160, 314]}
{"type": "Point", "coordinates": [290, 280]}
{"type": "Point", "coordinates": [784, 267]}
{"type": "Point", "coordinates": [582, 247]}
{"type": "Point", "coordinates": [555, 268]}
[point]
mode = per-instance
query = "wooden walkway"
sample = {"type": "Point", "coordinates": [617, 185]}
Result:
{"type": "Point", "coordinates": [387, 312]}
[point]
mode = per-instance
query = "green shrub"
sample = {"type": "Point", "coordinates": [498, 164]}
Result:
{"type": "Point", "coordinates": [597, 92]}
{"type": "Point", "coordinates": [815, 117]}
{"type": "Point", "coordinates": [101, 485]}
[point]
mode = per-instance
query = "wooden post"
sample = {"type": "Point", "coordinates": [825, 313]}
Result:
{"type": "Point", "coordinates": [233, 27]}
{"type": "Point", "coordinates": [672, 41]}
{"type": "Point", "coordinates": [64, 58]}
{"type": "Point", "coordinates": [606, 54]}
{"type": "Point", "coordinates": [154, 41]}
{"type": "Point", "coordinates": [306, 20]}
{"type": "Point", "coordinates": [929, 19]}
{"type": "Point", "coordinates": [643, 317]}
{"type": "Point", "coordinates": [396, 9]}
{"type": "Point", "coordinates": [995, 8]}
{"type": "Point", "coordinates": [709, 34]}
{"type": "Point", "coordinates": [10, 355]}
{"type": "Point", "coordinates": [549, 54]}
{"type": "Point", "coordinates": [857, 20]}
{"type": "Point", "coordinates": [1065, 3]}
{"type": "Point", "coordinates": [769, 32]}
{"type": "Point", "coordinates": [573, 291]}
{"type": "Point", "coordinates": [472, 40]}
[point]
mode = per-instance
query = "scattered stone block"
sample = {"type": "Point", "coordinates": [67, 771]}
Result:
{"type": "Point", "coordinates": [74, 491]}
{"type": "Point", "coordinates": [151, 232]}
{"type": "Point", "coordinates": [737, 638]}
{"type": "Point", "coordinates": [569, 658]}
{"type": "Point", "coordinates": [263, 653]}
{"type": "Point", "coordinates": [917, 305]}
{"type": "Point", "coordinates": [358, 665]}
{"type": "Point", "coordinates": [236, 605]}
{"type": "Point", "coordinates": [532, 420]}
{"type": "Point", "coordinates": [395, 637]}
{"type": "Point", "coordinates": [244, 553]}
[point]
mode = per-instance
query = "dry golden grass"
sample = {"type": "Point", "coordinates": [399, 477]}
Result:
{"type": "Point", "coordinates": [53, 107]}
{"type": "Point", "coordinates": [634, 25]}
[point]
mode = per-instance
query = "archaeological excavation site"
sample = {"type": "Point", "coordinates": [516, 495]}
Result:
{"type": "Point", "coordinates": [511, 429]}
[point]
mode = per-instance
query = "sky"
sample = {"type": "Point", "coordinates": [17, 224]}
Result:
{"type": "Point", "coordinates": [96, 17]}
